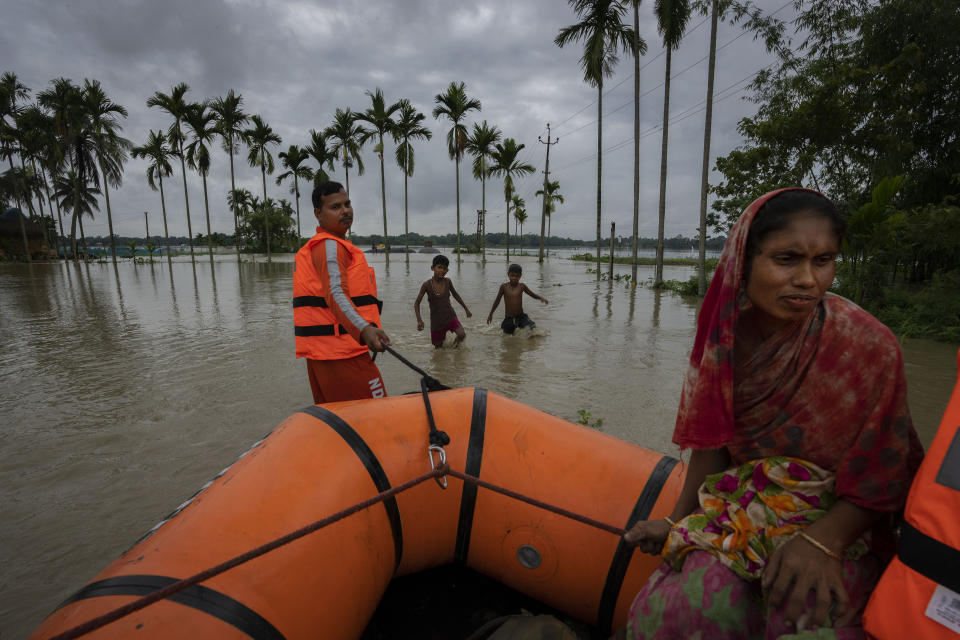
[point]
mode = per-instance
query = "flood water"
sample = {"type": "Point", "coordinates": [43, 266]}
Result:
{"type": "Point", "coordinates": [123, 389]}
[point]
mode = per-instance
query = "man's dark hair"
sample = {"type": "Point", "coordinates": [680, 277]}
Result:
{"type": "Point", "coordinates": [514, 268]}
{"type": "Point", "coordinates": [324, 189]}
{"type": "Point", "coordinates": [441, 260]}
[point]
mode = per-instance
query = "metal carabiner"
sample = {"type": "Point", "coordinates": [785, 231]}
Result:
{"type": "Point", "coordinates": [442, 456]}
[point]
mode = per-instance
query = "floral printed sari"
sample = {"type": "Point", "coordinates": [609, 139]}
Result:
{"type": "Point", "coordinates": [817, 413]}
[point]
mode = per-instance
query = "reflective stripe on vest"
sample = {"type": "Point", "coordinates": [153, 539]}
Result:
{"type": "Point", "coordinates": [918, 595]}
{"type": "Point", "coordinates": [318, 334]}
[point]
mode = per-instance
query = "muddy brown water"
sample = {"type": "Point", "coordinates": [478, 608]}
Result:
{"type": "Point", "coordinates": [123, 390]}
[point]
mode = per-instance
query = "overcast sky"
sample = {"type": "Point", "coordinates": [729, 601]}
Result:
{"type": "Point", "coordinates": [294, 63]}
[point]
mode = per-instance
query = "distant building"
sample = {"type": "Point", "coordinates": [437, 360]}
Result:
{"type": "Point", "coordinates": [11, 236]}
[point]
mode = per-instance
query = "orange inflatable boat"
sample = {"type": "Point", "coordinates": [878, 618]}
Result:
{"type": "Point", "coordinates": [328, 584]}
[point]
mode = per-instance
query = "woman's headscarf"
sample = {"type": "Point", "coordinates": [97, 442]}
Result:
{"type": "Point", "coordinates": [830, 390]}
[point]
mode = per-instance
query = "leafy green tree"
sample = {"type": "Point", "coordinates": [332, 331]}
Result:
{"type": "Point", "coordinates": [109, 146]}
{"type": "Point", "coordinates": [158, 154]}
{"type": "Point", "coordinates": [293, 161]}
{"type": "Point", "coordinates": [267, 223]}
{"type": "Point", "coordinates": [552, 196]}
{"type": "Point", "coordinates": [380, 117]}
{"type": "Point", "coordinates": [409, 126]}
{"type": "Point", "coordinates": [36, 137]}
{"type": "Point", "coordinates": [454, 105]}
{"type": "Point", "coordinates": [672, 18]}
{"type": "Point", "coordinates": [202, 122]}
{"type": "Point", "coordinates": [508, 166]}
{"type": "Point", "coordinates": [481, 145]}
{"type": "Point", "coordinates": [322, 155]}
{"type": "Point", "coordinates": [230, 121]}
{"type": "Point", "coordinates": [77, 203]}
{"type": "Point", "coordinates": [604, 35]}
{"type": "Point", "coordinates": [259, 137]}
{"type": "Point", "coordinates": [75, 150]}
{"type": "Point", "coordinates": [519, 216]}
{"type": "Point", "coordinates": [177, 107]}
{"type": "Point", "coordinates": [348, 139]}
{"type": "Point", "coordinates": [22, 185]}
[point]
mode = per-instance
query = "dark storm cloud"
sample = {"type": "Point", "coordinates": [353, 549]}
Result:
{"type": "Point", "coordinates": [296, 62]}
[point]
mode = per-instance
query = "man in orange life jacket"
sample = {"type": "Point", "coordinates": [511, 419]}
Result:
{"type": "Point", "coordinates": [336, 313]}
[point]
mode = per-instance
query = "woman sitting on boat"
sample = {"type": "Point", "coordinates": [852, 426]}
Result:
{"type": "Point", "coordinates": [795, 409]}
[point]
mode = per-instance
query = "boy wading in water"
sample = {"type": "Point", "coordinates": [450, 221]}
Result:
{"type": "Point", "coordinates": [512, 294]}
{"type": "Point", "coordinates": [443, 318]}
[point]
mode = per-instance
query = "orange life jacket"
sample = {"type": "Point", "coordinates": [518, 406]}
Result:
{"type": "Point", "coordinates": [919, 593]}
{"type": "Point", "coordinates": [318, 333]}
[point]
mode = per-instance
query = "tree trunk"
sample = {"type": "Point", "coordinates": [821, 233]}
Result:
{"type": "Point", "coordinates": [483, 210]}
{"type": "Point", "coordinates": [708, 124]}
{"type": "Point", "coordinates": [457, 165]}
{"type": "Point", "coordinates": [266, 214]}
{"type": "Point", "coordinates": [233, 190]}
{"type": "Point", "coordinates": [383, 200]}
{"type": "Point", "coordinates": [23, 228]}
{"type": "Point", "coordinates": [658, 276]}
{"type": "Point", "coordinates": [206, 204]}
{"type": "Point", "coordinates": [186, 199]}
{"type": "Point", "coordinates": [163, 208]}
{"type": "Point", "coordinates": [106, 197]}
{"type": "Point", "coordinates": [296, 195]}
{"type": "Point", "coordinates": [46, 188]}
{"type": "Point", "coordinates": [599, 164]}
{"type": "Point", "coordinates": [406, 206]}
{"type": "Point", "coordinates": [636, 142]}
{"type": "Point", "coordinates": [508, 227]}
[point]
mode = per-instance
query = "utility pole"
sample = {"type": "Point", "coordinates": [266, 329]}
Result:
{"type": "Point", "coordinates": [546, 181]}
{"type": "Point", "coordinates": [613, 230]}
{"type": "Point", "coordinates": [146, 221]}
{"type": "Point", "coordinates": [480, 229]}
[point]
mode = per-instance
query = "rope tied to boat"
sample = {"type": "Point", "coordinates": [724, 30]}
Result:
{"type": "Point", "coordinates": [438, 471]}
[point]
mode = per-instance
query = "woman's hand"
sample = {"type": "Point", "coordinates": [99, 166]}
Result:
{"type": "Point", "coordinates": [648, 535]}
{"type": "Point", "coordinates": [419, 325]}
{"type": "Point", "coordinates": [806, 568]}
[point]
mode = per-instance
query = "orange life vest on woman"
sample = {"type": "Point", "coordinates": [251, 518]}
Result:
{"type": "Point", "coordinates": [919, 593]}
{"type": "Point", "coordinates": [318, 333]}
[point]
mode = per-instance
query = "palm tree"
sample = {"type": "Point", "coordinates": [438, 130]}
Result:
{"type": "Point", "coordinates": [639, 48]}
{"type": "Point", "coordinates": [551, 197]}
{"type": "Point", "coordinates": [23, 184]}
{"type": "Point", "coordinates": [408, 127]}
{"type": "Point", "coordinates": [672, 17]}
{"type": "Point", "coordinates": [32, 137]}
{"type": "Point", "coordinates": [481, 145]}
{"type": "Point", "coordinates": [380, 117]}
{"type": "Point", "coordinates": [177, 107]}
{"type": "Point", "coordinates": [11, 90]}
{"type": "Point", "coordinates": [77, 197]}
{"type": "Point", "coordinates": [203, 124]}
{"type": "Point", "coordinates": [506, 165]}
{"type": "Point", "coordinates": [454, 104]}
{"type": "Point", "coordinates": [258, 137]}
{"type": "Point", "coordinates": [230, 119]}
{"type": "Point", "coordinates": [604, 35]}
{"type": "Point", "coordinates": [110, 147]}
{"type": "Point", "coordinates": [519, 216]}
{"type": "Point", "coordinates": [348, 138]}
{"type": "Point", "coordinates": [293, 159]}
{"type": "Point", "coordinates": [321, 155]}
{"type": "Point", "coordinates": [158, 154]}
{"type": "Point", "coordinates": [75, 149]}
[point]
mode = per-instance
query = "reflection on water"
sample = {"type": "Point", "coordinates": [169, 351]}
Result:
{"type": "Point", "coordinates": [127, 387]}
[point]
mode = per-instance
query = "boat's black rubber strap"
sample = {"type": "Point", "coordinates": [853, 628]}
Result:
{"type": "Point", "coordinates": [374, 468]}
{"type": "Point", "coordinates": [624, 553]}
{"type": "Point", "coordinates": [468, 499]}
{"type": "Point", "coordinates": [198, 597]}
{"type": "Point", "coordinates": [929, 557]}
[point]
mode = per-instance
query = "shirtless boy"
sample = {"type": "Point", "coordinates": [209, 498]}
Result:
{"type": "Point", "coordinates": [443, 318]}
{"type": "Point", "coordinates": [512, 294]}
